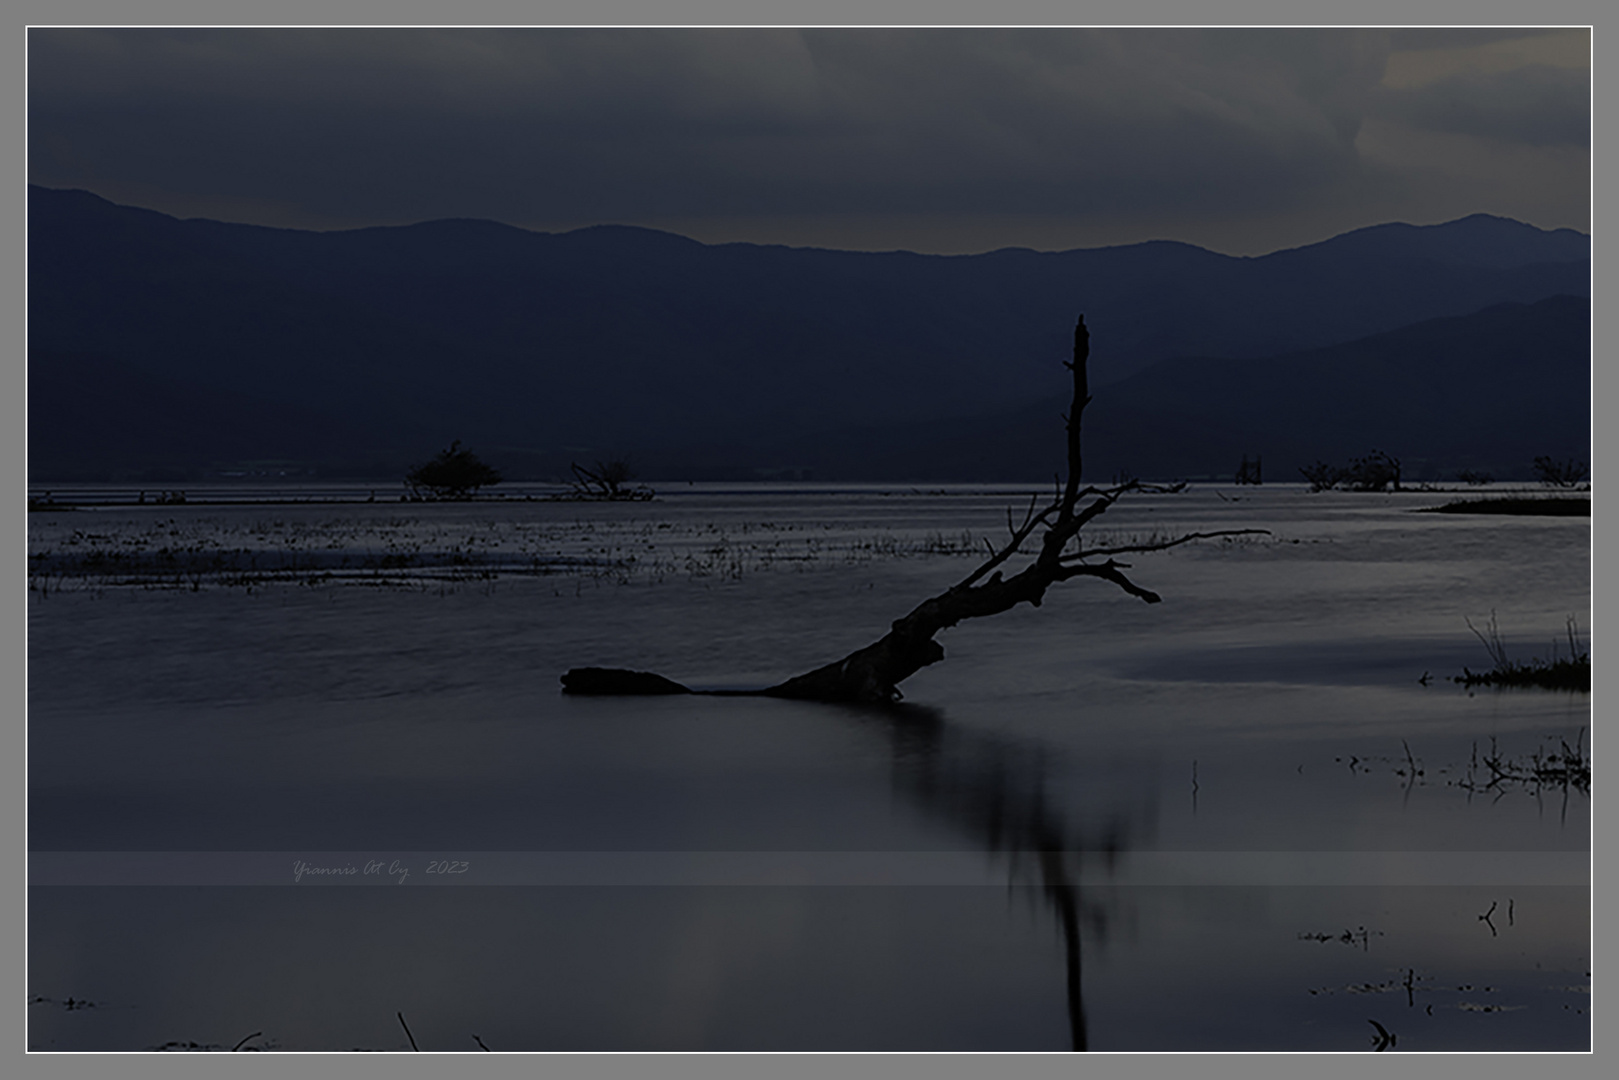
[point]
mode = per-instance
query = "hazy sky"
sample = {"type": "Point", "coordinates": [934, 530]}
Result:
{"type": "Point", "coordinates": [933, 140]}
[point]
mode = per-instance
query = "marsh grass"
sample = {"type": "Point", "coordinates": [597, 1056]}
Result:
{"type": "Point", "coordinates": [405, 552]}
{"type": "Point", "coordinates": [1571, 672]}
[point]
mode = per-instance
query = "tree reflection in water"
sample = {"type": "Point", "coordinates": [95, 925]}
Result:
{"type": "Point", "coordinates": [995, 792]}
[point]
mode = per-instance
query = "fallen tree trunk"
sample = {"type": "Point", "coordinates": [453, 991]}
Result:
{"type": "Point", "coordinates": [873, 674]}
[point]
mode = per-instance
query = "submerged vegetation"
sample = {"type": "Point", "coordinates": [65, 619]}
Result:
{"type": "Point", "coordinates": [397, 550]}
{"type": "Point", "coordinates": [1565, 767]}
{"type": "Point", "coordinates": [44, 502]}
{"type": "Point", "coordinates": [1571, 672]}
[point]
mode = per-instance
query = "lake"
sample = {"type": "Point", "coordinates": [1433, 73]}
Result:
{"type": "Point", "coordinates": [301, 778]}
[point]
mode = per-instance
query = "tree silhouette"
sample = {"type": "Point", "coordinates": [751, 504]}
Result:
{"type": "Point", "coordinates": [1554, 473]}
{"type": "Point", "coordinates": [1376, 471]}
{"type": "Point", "coordinates": [873, 674]}
{"type": "Point", "coordinates": [454, 474]}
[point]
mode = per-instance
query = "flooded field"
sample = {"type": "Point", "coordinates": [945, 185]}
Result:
{"type": "Point", "coordinates": [297, 769]}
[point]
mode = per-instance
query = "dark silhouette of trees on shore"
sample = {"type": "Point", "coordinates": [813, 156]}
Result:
{"type": "Point", "coordinates": [1376, 471]}
{"type": "Point", "coordinates": [873, 674]}
{"type": "Point", "coordinates": [1564, 474]}
{"type": "Point", "coordinates": [453, 474]}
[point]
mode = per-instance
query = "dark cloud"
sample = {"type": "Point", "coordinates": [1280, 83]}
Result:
{"type": "Point", "coordinates": [1449, 37]}
{"type": "Point", "coordinates": [553, 128]}
{"type": "Point", "coordinates": [1535, 104]}
{"type": "Point", "coordinates": [615, 124]}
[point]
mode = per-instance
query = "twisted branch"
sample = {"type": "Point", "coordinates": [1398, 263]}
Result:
{"type": "Point", "coordinates": [874, 672]}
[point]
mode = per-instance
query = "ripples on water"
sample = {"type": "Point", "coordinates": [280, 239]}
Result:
{"type": "Point", "coordinates": [1234, 820]}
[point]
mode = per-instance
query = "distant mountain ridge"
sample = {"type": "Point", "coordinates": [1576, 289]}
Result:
{"type": "Point", "coordinates": [1486, 392]}
{"type": "Point", "coordinates": [360, 346]}
{"type": "Point", "coordinates": [1482, 240]}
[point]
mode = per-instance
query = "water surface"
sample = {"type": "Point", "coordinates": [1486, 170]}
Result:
{"type": "Point", "coordinates": [1234, 820]}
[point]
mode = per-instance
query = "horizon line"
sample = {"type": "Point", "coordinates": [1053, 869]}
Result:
{"type": "Point", "coordinates": [799, 247]}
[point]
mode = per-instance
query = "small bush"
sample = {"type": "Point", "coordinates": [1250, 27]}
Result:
{"type": "Point", "coordinates": [454, 474]}
{"type": "Point", "coordinates": [1376, 471]}
{"type": "Point", "coordinates": [1322, 477]}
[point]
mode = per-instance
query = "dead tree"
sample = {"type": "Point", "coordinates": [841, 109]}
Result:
{"type": "Point", "coordinates": [608, 480]}
{"type": "Point", "coordinates": [873, 674]}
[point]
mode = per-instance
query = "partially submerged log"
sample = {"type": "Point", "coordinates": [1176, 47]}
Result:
{"type": "Point", "coordinates": [873, 674]}
{"type": "Point", "coordinates": [617, 681]}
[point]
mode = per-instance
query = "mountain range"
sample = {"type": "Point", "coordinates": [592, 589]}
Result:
{"type": "Point", "coordinates": [168, 347]}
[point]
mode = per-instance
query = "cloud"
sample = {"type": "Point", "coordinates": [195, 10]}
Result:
{"type": "Point", "coordinates": [549, 125]}
{"type": "Point", "coordinates": [1537, 104]}
{"type": "Point", "coordinates": [1451, 37]}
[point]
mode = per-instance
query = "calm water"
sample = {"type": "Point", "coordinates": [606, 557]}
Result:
{"type": "Point", "coordinates": [1233, 820]}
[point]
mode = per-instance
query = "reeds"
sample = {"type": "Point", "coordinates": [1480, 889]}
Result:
{"type": "Point", "coordinates": [1571, 672]}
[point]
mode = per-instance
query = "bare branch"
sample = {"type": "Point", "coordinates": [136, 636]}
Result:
{"type": "Point", "coordinates": [873, 673]}
{"type": "Point", "coordinates": [1067, 528]}
{"type": "Point", "coordinates": [1034, 500]}
{"type": "Point", "coordinates": [1082, 398]}
{"type": "Point", "coordinates": [1011, 548]}
{"type": "Point", "coordinates": [1131, 549]}
{"type": "Point", "coordinates": [1109, 571]}
{"type": "Point", "coordinates": [1096, 509]}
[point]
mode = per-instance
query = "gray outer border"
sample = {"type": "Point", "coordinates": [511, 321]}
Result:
{"type": "Point", "coordinates": [13, 441]}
